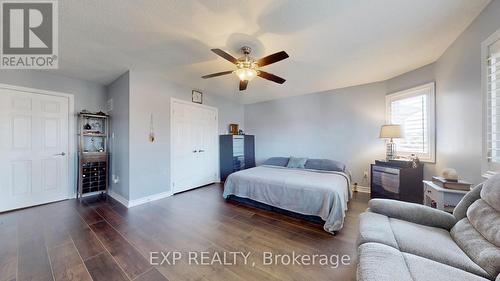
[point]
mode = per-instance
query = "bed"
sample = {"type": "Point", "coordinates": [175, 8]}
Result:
{"type": "Point", "coordinates": [309, 192]}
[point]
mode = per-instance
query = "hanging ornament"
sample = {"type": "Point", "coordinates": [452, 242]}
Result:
{"type": "Point", "coordinates": [151, 129]}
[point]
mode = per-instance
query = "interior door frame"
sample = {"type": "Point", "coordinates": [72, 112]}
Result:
{"type": "Point", "coordinates": [71, 192]}
{"type": "Point", "coordinates": [172, 102]}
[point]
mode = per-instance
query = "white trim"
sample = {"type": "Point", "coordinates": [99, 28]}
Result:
{"type": "Point", "coordinates": [432, 114]}
{"type": "Point", "coordinates": [118, 198]}
{"type": "Point", "coordinates": [174, 100]}
{"type": "Point", "coordinates": [486, 168]}
{"type": "Point", "coordinates": [488, 174]}
{"type": "Point", "coordinates": [140, 201]}
{"type": "Point", "coordinates": [71, 187]}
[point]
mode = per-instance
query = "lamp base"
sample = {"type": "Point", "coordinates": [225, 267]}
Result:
{"type": "Point", "coordinates": [390, 151]}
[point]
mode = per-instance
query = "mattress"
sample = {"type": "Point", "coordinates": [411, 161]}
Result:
{"type": "Point", "coordinates": [309, 192]}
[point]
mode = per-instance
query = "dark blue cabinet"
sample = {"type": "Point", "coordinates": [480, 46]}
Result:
{"type": "Point", "coordinates": [237, 152]}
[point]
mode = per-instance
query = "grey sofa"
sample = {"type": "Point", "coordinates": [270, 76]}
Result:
{"type": "Point", "coordinates": [405, 241]}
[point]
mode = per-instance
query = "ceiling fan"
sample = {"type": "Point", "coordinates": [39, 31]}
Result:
{"type": "Point", "coordinates": [248, 68]}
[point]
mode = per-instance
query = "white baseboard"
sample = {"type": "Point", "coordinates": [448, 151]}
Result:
{"type": "Point", "coordinates": [140, 201]}
{"type": "Point", "coordinates": [363, 189]}
{"type": "Point", "coordinates": [118, 198]}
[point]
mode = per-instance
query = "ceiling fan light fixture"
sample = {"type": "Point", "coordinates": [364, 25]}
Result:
{"type": "Point", "coordinates": [247, 68]}
{"type": "Point", "coordinates": [246, 74]}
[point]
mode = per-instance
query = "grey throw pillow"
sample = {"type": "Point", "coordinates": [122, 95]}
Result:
{"type": "Point", "coordinates": [298, 163]}
{"type": "Point", "coordinates": [277, 161]}
{"type": "Point", "coordinates": [325, 165]}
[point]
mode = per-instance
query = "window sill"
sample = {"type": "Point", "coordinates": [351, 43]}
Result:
{"type": "Point", "coordinates": [489, 174]}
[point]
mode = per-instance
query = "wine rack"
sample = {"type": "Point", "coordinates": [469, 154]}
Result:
{"type": "Point", "coordinates": [93, 153]}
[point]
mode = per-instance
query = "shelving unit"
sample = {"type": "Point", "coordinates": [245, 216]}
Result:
{"type": "Point", "coordinates": [93, 153]}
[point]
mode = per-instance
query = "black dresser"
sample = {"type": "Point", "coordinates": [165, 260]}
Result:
{"type": "Point", "coordinates": [397, 180]}
{"type": "Point", "coordinates": [237, 152]}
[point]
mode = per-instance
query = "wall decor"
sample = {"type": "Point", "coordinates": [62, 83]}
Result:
{"type": "Point", "coordinates": [197, 96]}
{"type": "Point", "coordinates": [151, 129]}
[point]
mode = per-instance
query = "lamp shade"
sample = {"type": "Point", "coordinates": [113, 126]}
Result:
{"type": "Point", "coordinates": [390, 131]}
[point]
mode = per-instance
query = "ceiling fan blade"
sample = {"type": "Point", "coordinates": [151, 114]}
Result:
{"type": "Point", "coordinates": [272, 58]}
{"type": "Point", "coordinates": [225, 55]}
{"type": "Point", "coordinates": [217, 74]}
{"type": "Point", "coordinates": [243, 85]}
{"type": "Point", "coordinates": [271, 77]}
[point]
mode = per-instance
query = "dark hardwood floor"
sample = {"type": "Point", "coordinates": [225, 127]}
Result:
{"type": "Point", "coordinates": [99, 239]}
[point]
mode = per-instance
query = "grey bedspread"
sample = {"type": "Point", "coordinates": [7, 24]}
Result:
{"type": "Point", "coordinates": [309, 192]}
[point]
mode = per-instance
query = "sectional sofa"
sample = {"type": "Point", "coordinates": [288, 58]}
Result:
{"type": "Point", "coordinates": [405, 241]}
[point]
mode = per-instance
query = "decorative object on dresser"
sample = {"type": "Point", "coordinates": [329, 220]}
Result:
{"type": "Point", "coordinates": [396, 179]}
{"type": "Point", "coordinates": [390, 132]}
{"type": "Point", "coordinates": [233, 129]}
{"type": "Point", "coordinates": [444, 199]}
{"type": "Point", "coordinates": [92, 153]}
{"type": "Point", "coordinates": [450, 174]}
{"type": "Point", "coordinates": [451, 184]}
{"type": "Point", "coordinates": [449, 179]}
{"type": "Point", "coordinates": [237, 152]}
{"type": "Point", "coordinates": [197, 96]}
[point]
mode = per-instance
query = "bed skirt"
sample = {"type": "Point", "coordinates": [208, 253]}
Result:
{"type": "Point", "coordinates": [250, 202]}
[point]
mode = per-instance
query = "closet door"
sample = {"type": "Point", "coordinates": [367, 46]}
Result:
{"type": "Point", "coordinates": [194, 145]}
{"type": "Point", "coordinates": [206, 145]}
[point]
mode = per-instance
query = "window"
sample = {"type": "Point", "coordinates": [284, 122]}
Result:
{"type": "Point", "coordinates": [491, 88]}
{"type": "Point", "coordinates": [413, 109]}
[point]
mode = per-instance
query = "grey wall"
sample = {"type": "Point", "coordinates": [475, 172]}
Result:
{"type": "Point", "coordinates": [118, 92]}
{"type": "Point", "coordinates": [458, 97]}
{"type": "Point", "coordinates": [150, 93]}
{"type": "Point", "coordinates": [87, 95]}
{"type": "Point", "coordinates": [306, 125]}
{"type": "Point", "coordinates": [340, 124]}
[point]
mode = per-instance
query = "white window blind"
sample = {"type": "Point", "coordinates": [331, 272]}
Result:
{"type": "Point", "coordinates": [493, 104]}
{"type": "Point", "coordinates": [413, 109]}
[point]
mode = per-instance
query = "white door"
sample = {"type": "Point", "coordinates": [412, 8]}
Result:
{"type": "Point", "coordinates": [194, 145]}
{"type": "Point", "coordinates": [33, 149]}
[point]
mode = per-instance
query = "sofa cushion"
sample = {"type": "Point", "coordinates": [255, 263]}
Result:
{"type": "Point", "coordinates": [432, 243]}
{"type": "Point", "coordinates": [491, 192]}
{"type": "Point", "coordinates": [381, 262]}
{"type": "Point", "coordinates": [460, 210]}
{"type": "Point", "coordinates": [425, 241]}
{"type": "Point", "coordinates": [376, 228]}
{"type": "Point", "coordinates": [412, 212]}
{"type": "Point", "coordinates": [485, 220]}
{"type": "Point", "coordinates": [477, 247]}
{"type": "Point", "coordinates": [425, 269]}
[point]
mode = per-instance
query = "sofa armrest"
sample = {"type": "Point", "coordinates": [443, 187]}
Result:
{"type": "Point", "coordinates": [412, 212]}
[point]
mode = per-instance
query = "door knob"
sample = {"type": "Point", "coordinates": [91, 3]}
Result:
{"type": "Point", "coordinates": [60, 154]}
{"type": "Point", "coordinates": [194, 151]}
{"type": "Point", "coordinates": [201, 150]}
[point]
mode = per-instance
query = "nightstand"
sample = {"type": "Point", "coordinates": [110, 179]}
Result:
{"type": "Point", "coordinates": [441, 198]}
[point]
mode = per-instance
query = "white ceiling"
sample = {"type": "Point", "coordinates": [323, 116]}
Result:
{"type": "Point", "coordinates": [332, 44]}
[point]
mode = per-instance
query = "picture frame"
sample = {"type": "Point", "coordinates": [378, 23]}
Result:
{"type": "Point", "coordinates": [233, 129]}
{"type": "Point", "coordinates": [197, 97]}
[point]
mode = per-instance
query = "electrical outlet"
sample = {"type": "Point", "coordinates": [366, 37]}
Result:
{"type": "Point", "coordinates": [115, 179]}
{"type": "Point", "coordinates": [365, 175]}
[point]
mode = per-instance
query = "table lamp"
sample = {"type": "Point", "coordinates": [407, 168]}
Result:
{"type": "Point", "coordinates": [390, 132]}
